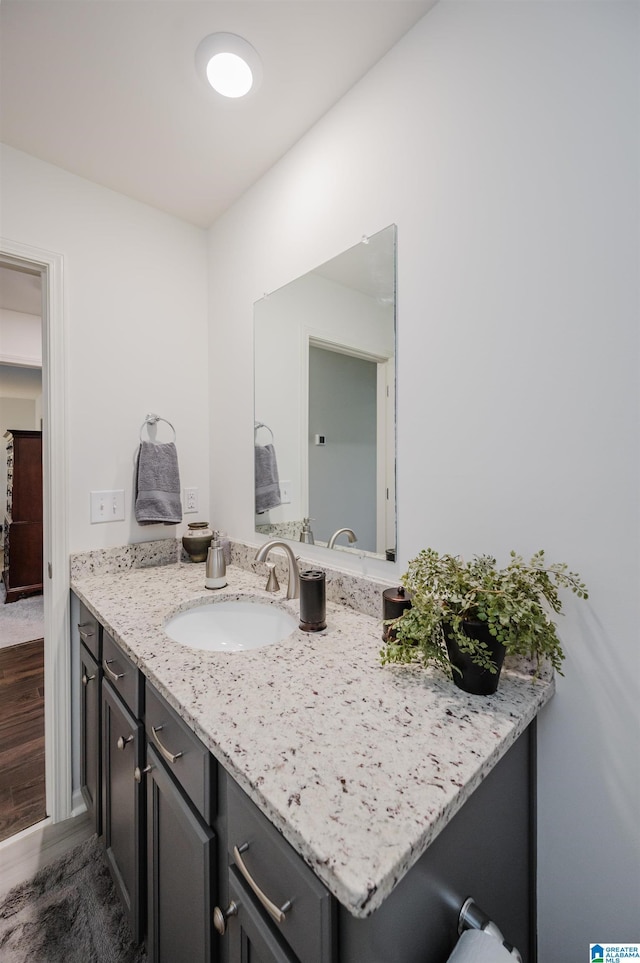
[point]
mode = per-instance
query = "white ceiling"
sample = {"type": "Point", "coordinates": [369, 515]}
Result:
{"type": "Point", "coordinates": [20, 291]}
{"type": "Point", "coordinates": [107, 89]}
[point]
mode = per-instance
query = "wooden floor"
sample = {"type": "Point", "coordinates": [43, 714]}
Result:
{"type": "Point", "coordinates": [22, 792]}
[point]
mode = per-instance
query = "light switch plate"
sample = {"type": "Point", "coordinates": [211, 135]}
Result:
{"type": "Point", "coordinates": [285, 492]}
{"type": "Point", "coordinates": [107, 506]}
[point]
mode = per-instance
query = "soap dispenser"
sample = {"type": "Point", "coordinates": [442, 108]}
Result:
{"type": "Point", "coordinates": [306, 535]}
{"type": "Point", "coordinates": [216, 571]}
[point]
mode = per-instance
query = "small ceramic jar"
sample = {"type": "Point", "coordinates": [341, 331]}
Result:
{"type": "Point", "coordinates": [197, 540]}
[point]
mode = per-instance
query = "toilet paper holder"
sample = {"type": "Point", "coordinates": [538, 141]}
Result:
{"type": "Point", "coordinates": [471, 917]}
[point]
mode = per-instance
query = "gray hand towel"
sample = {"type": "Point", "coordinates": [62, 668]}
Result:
{"type": "Point", "coordinates": [267, 481]}
{"type": "Point", "coordinates": [158, 484]}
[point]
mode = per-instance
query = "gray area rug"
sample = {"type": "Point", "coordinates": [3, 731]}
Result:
{"type": "Point", "coordinates": [21, 621]}
{"type": "Point", "coordinates": [68, 913]}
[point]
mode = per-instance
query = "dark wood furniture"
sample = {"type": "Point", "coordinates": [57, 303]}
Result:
{"type": "Point", "coordinates": [22, 572]}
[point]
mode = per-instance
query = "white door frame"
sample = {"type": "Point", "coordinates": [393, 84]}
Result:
{"type": "Point", "coordinates": [57, 661]}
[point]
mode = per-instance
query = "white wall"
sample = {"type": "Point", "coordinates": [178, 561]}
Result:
{"type": "Point", "coordinates": [502, 138]}
{"type": "Point", "coordinates": [135, 293]}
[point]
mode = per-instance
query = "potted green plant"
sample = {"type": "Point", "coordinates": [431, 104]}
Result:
{"type": "Point", "coordinates": [465, 616]}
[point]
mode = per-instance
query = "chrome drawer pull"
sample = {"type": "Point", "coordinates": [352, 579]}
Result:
{"type": "Point", "coordinates": [276, 912]}
{"type": "Point", "coordinates": [138, 773]}
{"type": "Point", "coordinates": [86, 679]}
{"type": "Point", "coordinates": [114, 675]}
{"type": "Point", "coordinates": [169, 756]}
{"type": "Point", "coordinates": [122, 742]}
{"type": "Point", "coordinates": [84, 635]}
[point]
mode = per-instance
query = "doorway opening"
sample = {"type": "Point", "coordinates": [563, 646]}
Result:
{"type": "Point", "coordinates": [22, 743]}
{"type": "Point", "coordinates": [48, 268]}
{"type": "Point", "coordinates": [347, 441]}
{"type": "Point", "coordinates": [342, 444]}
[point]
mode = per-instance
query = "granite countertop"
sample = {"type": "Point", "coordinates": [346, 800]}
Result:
{"type": "Point", "coordinates": [359, 766]}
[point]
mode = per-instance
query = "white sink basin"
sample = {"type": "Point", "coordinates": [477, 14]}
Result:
{"type": "Point", "coordinates": [231, 626]}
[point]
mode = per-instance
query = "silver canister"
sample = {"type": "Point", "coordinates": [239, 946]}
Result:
{"type": "Point", "coordinates": [216, 570]}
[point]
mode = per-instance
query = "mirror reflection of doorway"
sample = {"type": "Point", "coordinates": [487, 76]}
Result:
{"type": "Point", "coordinates": [342, 444]}
{"type": "Point", "coordinates": [22, 740]}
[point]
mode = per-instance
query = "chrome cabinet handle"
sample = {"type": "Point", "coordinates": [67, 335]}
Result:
{"type": "Point", "coordinates": [84, 635]}
{"type": "Point", "coordinates": [123, 741]}
{"type": "Point", "coordinates": [86, 679]}
{"type": "Point", "coordinates": [220, 917]}
{"type": "Point", "coordinates": [275, 912]}
{"type": "Point", "coordinates": [169, 756]}
{"type": "Point", "coordinates": [138, 773]}
{"type": "Point", "coordinates": [114, 675]}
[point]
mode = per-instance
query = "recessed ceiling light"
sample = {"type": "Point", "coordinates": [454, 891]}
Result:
{"type": "Point", "coordinates": [229, 64]}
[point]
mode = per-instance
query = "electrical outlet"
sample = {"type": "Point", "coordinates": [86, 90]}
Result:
{"type": "Point", "coordinates": [107, 506]}
{"type": "Point", "coordinates": [285, 492]}
{"type": "Point", "coordinates": [190, 500]}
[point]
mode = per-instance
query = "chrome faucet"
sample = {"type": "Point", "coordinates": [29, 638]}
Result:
{"type": "Point", "coordinates": [352, 536]}
{"type": "Point", "coordinates": [293, 585]}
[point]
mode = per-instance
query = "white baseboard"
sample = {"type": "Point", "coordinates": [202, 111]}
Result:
{"type": "Point", "coordinates": [22, 855]}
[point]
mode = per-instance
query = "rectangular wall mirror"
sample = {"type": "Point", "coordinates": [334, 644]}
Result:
{"type": "Point", "coordinates": [325, 412]}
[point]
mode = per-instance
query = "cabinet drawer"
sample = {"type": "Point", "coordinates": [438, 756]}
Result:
{"type": "Point", "coordinates": [188, 760]}
{"type": "Point", "coordinates": [274, 868]}
{"type": "Point", "coordinates": [125, 678]}
{"type": "Point", "coordinates": [89, 630]}
{"type": "Point", "coordinates": [251, 937]}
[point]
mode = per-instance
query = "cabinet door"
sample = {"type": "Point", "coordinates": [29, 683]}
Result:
{"type": "Point", "coordinates": [180, 867]}
{"type": "Point", "coordinates": [251, 935]}
{"type": "Point", "coordinates": [90, 735]}
{"type": "Point", "coordinates": [122, 803]}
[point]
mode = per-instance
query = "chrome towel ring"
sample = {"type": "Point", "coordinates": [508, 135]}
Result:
{"type": "Point", "coordinates": [151, 420]}
{"type": "Point", "coordinates": [261, 424]}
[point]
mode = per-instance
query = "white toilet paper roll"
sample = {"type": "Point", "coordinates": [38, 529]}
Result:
{"type": "Point", "coordinates": [476, 946]}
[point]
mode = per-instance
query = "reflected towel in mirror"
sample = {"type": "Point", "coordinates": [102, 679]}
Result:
{"type": "Point", "coordinates": [158, 484]}
{"type": "Point", "coordinates": [267, 480]}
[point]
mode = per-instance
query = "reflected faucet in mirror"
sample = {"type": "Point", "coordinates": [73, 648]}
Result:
{"type": "Point", "coordinates": [330, 336]}
{"type": "Point", "coordinates": [342, 531]}
{"type": "Point", "coordinates": [293, 584]}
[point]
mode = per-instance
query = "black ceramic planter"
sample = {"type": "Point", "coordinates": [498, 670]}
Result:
{"type": "Point", "coordinates": [471, 677]}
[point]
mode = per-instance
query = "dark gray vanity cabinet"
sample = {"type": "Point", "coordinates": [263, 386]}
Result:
{"type": "Point", "coordinates": [181, 867]}
{"type": "Point", "coordinates": [90, 633]}
{"type": "Point", "coordinates": [122, 803]}
{"type": "Point", "coordinates": [251, 938]}
{"type": "Point", "coordinates": [122, 786]}
{"type": "Point", "coordinates": [181, 846]}
{"type": "Point", "coordinates": [486, 852]}
{"type": "Point", "coordinates": [191, 853]}
{"type": "Point", "coordinates": [283, 908]}
{"type": "Point", "coordinates": [90, 730]}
